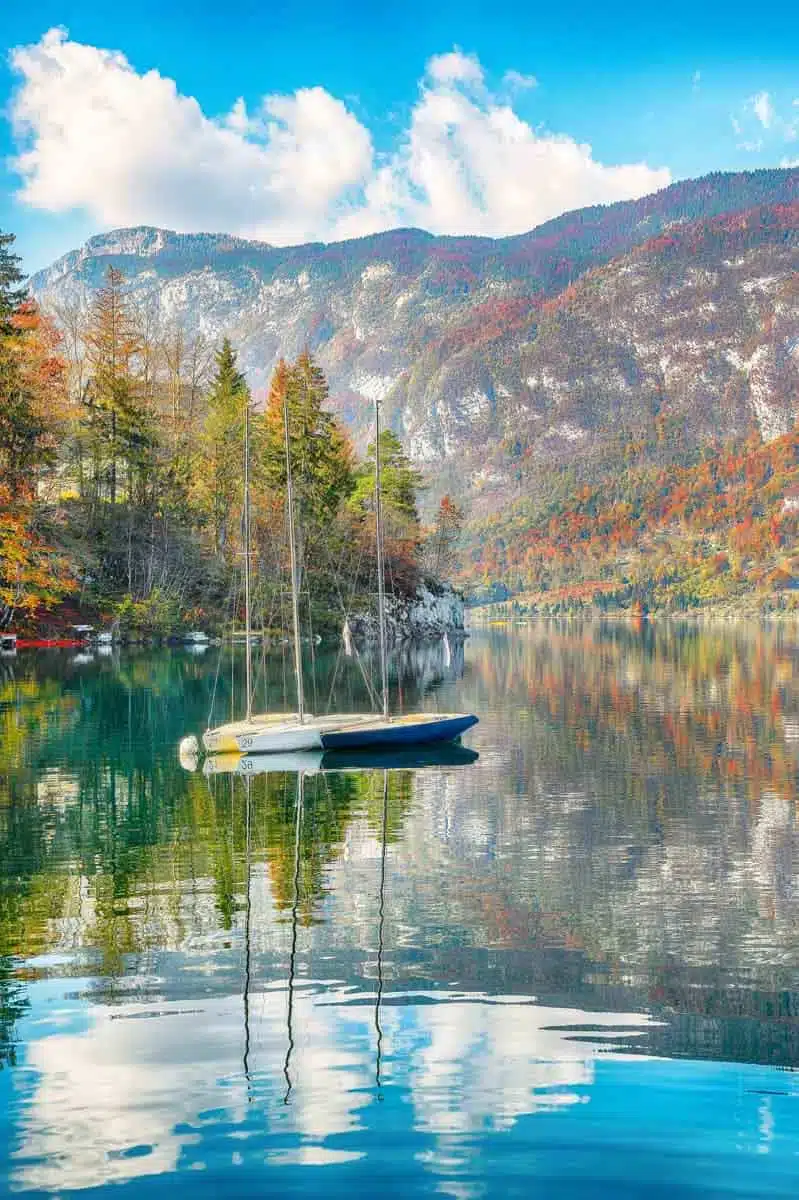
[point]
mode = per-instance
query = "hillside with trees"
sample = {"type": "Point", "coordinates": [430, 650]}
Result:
{"type": "Point", "coordinates": [721, 532]}
{"type": "Point", "coordinates": [552, 397]}
{"type": "Point", "coordinates": [121, 478]}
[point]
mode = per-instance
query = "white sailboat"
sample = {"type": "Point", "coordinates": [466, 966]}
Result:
{"type": "Point", "coordinates": [290, 732]}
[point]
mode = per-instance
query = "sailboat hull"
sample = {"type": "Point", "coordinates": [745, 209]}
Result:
{"type": "Point", "coordinates": [285, 733]}
{"type": "Point", "coordinates": [416, 730]}
{"type": "Point", "coordinates": [226, 739]}
{"type": "Point", "coordinates": [295, 735]}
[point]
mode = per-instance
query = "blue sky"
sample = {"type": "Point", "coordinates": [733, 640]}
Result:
{"type": "Point", "coordinates": [460, 117]}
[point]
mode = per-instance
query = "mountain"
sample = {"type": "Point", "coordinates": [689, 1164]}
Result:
{"type": "Point", "coordinates": [494, 356]}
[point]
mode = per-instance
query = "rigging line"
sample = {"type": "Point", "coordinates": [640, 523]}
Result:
{"type": "Point", "coordinates": [346, 609]}
{"type": "Point", "coordinates": [313, 652]}
{"type": "Point", "coordinates": [381, 601]}
{"type": "Point", "coordinates": [354, 575]}
{"type": "Point", "coordinates": [283, 623]}
{"type": "Point", "coordinates": [232, 602]}
{"type": "Point", "coordinates": [247, 564]}
{"type": "Point", "coordinates": [381, 922]}
{"type": "Point", "coordinates": [232, 683]}
{"type": "Point", "coordinates": [295, 611]}
{"type": "Point", "coordinates": [373, 699]}
{"type": "Point", "coordinates": [293, 955]}
{"type": "Point", "coordinates": [247, 948]}
{"type": "Point", "coordinates": [334, 677]}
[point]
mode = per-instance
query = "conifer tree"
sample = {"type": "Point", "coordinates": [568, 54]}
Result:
{"type": "Point", "coordinates": [118, 422]}
{"type": "Point", "coordinates": [11, 294]}
{"type": "Point", "coordinates": [321, 454]}
{"type": "Point", "coordinates": [27, 357]}
{"type": "Point", "coordinates": [218, 481]}
{"type": "Point", "coordinates": [399, 484]}
{"type": "Point", "coordinates": [449, 522]}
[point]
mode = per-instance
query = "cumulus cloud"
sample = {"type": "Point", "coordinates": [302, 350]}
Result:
{"type": "Point", "coordinates": [455, 67]}
{"type": "Point", "coordinates": [127, 148]}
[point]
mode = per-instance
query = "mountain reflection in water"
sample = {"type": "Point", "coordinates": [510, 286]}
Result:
{"type": "Point", "coordinates": [574, 960]}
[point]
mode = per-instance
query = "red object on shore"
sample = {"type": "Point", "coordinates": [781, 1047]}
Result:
{"type": "Point", "coordinates": [47, 643]}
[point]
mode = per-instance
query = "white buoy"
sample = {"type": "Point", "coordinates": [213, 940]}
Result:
{"type": "Point", "coordinates": [189, 753]}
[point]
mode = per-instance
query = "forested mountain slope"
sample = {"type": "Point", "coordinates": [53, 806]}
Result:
{"type": "Point", "coordinates": [403, 315]}
{"type": "Point", "coordinates": [597, 351]}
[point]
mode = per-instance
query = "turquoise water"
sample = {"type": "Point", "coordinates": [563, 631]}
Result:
{"type": "Point", "coordinates": [567, 969]}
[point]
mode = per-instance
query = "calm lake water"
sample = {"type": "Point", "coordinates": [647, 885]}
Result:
{"type": "Point", "coordinates": [569, 968]}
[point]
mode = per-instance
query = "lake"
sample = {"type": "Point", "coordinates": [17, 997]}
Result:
{"type": "Point", "coordinates": [568, 968]}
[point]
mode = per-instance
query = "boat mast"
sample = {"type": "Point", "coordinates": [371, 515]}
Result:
{"type": "Point", "coordinates": [293, 954]}
{"type": "Point", "coordinates": [295, 603]}
{"type": "Point", "coordinates": [247, 952]}
{"type": "Point", "coordinates": [247, 617]}
{"type": "Point", "coordinates": [381, 593]}
{"type": "Point", "coordinates": [380, 925]}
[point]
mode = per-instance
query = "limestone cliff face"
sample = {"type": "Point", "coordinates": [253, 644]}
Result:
{"type": "Point", "coordinates": [435, 609]}
{"type": "Point", "coordinates": [430, 613]}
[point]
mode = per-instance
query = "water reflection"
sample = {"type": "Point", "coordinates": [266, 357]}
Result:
{"type": "Point", "coordinates": [141, 1088]}
{"type": "Point", "coordinates": [424, 972]}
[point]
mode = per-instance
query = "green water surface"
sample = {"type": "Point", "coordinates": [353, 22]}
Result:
{"type": "Point", "coordinates": [569, 968]}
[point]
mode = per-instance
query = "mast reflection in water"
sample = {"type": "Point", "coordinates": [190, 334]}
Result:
{"type": "Point", "coordinates": [569, 966]}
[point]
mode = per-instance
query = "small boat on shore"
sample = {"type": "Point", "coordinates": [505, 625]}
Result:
{"type": "Point", "coordinates": [50, 643]}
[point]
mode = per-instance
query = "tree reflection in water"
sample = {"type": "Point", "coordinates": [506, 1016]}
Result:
{"type": "Point", "coordinates": [626, 841]}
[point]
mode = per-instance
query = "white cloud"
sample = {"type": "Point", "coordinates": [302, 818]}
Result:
{"type": "Point", "coordinates": [517, 80]}
{"type": "Point", "coordinates": [455, 67]}
{"type": "Point", "coordinates": [763, 109]}
{"type": "Point", "coordinates": [764, 123]}
{"type": "Point", "coordinates": [128, 148]}
{"type": "Point", "coordinates": [696, 79]}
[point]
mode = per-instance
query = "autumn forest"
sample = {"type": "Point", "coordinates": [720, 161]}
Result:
{"type": "Point", "coordinates": [121, 478]}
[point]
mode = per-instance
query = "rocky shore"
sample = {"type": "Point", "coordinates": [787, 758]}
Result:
{"type": "Point", "coordinates": [434, 609]}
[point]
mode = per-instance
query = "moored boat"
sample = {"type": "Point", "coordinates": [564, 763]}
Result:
{"type": "Point", "coordinates": [281, 733]}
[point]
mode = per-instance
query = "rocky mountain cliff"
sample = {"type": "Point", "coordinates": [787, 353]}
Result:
{"type": "Point", "coordinates": [690, 338]}
{"type": "Point", "coordinates": [494, 355]}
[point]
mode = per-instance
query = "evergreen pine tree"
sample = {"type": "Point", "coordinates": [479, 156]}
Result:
{"type": "Point", "coordinates": [11, 295]}
{"type": "Point", "coordinates": [119, 424]}
{"type": "Point", "coordinates": [321, 455]}
{"type": "Point", "coordinates": [399, 485]}
{"type": "Point", "coordinates": [21, 427]}
{"type": "Point", "coordinates": [220, 469]}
